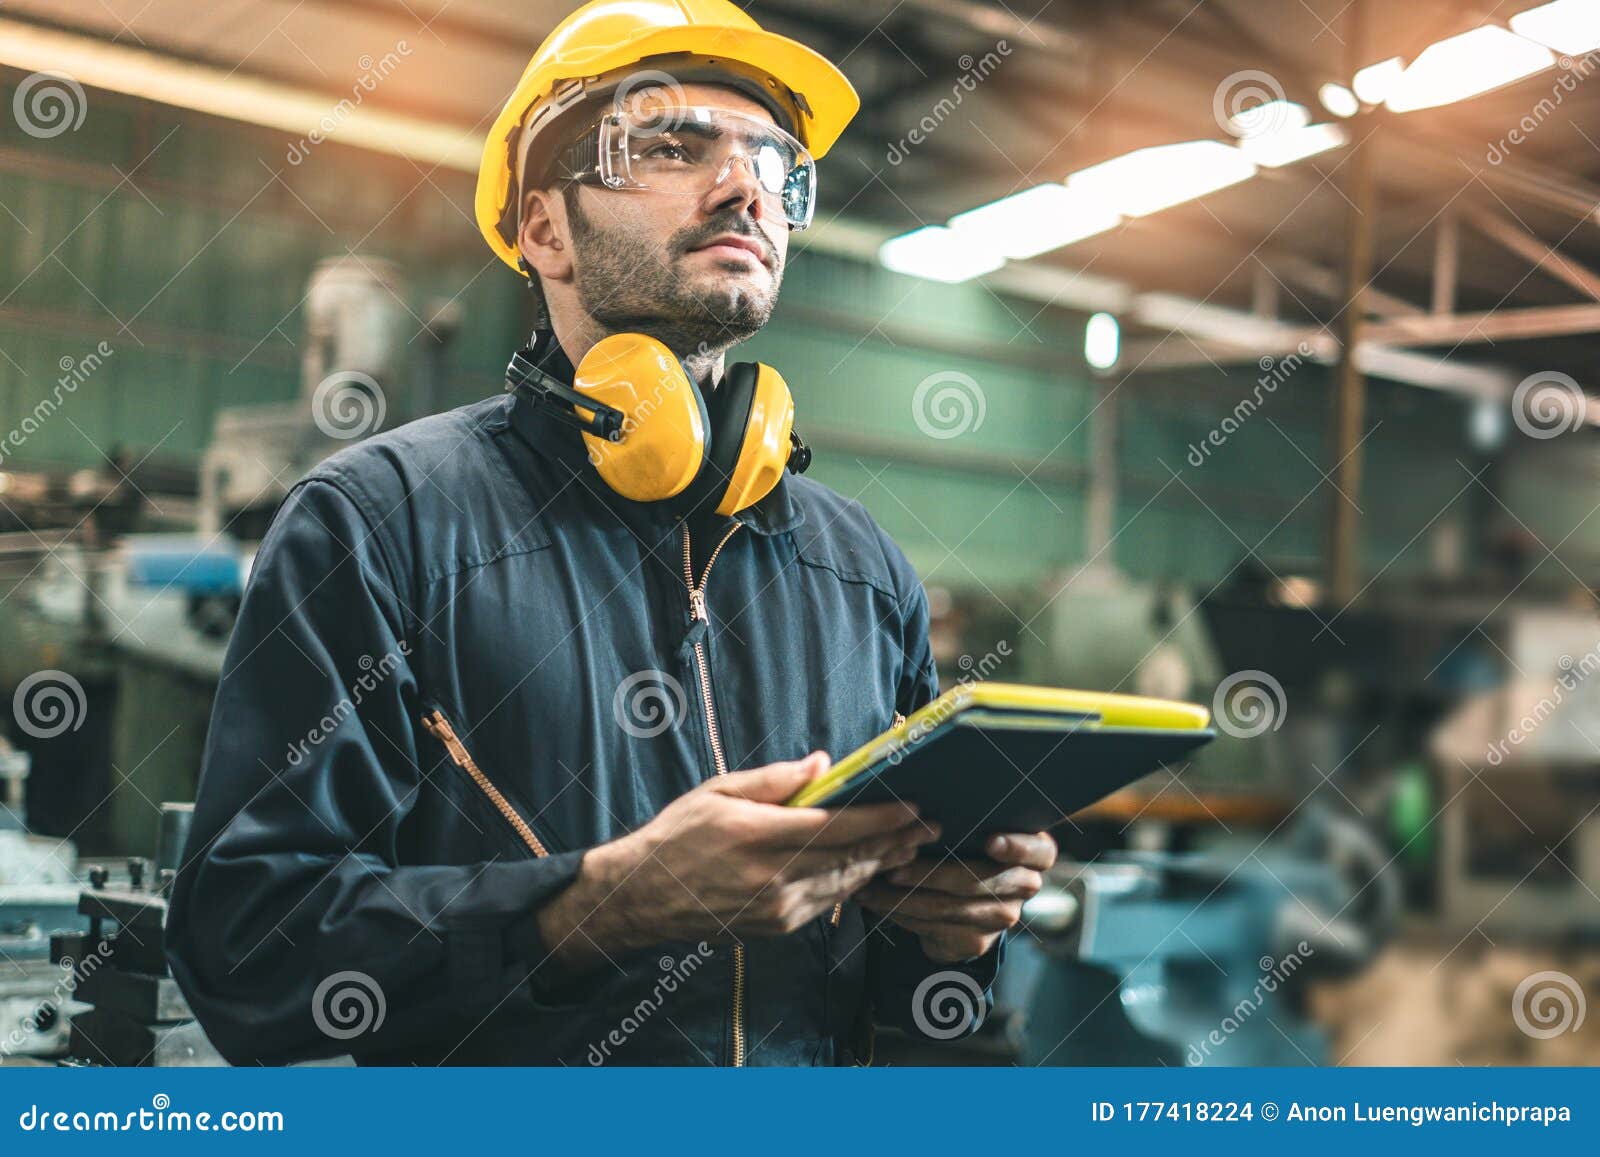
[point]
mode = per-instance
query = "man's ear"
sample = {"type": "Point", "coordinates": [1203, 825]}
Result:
{"type": "Point", "coordinates": [544, 237]}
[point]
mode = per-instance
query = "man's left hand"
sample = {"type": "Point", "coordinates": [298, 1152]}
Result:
{"type": "Point", "coordinates": [959, 908]}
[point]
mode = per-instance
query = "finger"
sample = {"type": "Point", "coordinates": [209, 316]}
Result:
{"type": "Point", "coordinates": [964, 878]}
{"type": "Point", "coordinates": [803, 829]}
{"type": "Point", "coordinates": [773, 783]}
{"type": "Point", "coordinates": [987, 915]}
{"type": "Point", "coordinates": [1036, 851]}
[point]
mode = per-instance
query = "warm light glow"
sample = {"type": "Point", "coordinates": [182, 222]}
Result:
{"type": "Point", "coordinates": [1275, 116]}
{"type": "Point", "coordinates": [938, 254]}
{"type": "Point", "coordinates": [1374, 82]}
{"type": "Point", "coordinates": [1462, 66]}
{"type": "Point", "coordinates": [1102, 341]}
{"type": "Point", "coordinates": [1570, 26]}
{"type": "Point", "coordinates": [1339, 100]}
{"type": "Point", "coordinates": [1034, 221]}
{"type": "Point", "coordinates": [1276, 149]}
{"type": "Point", "coordinates": [1148, 180]}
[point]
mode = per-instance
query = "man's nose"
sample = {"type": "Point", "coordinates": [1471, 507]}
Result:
{"type": "Point", "coordinates": [736, 185]}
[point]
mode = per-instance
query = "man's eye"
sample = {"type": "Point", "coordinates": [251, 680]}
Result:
{"type": "Point", "coordinates": [666, 151]}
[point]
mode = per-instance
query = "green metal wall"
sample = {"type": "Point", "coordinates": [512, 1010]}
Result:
{"type": "Point", "coordinates": [185, 243]}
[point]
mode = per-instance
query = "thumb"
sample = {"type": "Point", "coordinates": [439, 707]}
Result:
{"type": "Point", "coordinates": [775, 782]}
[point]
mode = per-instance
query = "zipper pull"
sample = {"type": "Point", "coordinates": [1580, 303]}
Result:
{"type": "Point", "coordinates": [699, 624]}
{"type": "Point", "coordinates": [697, 605]}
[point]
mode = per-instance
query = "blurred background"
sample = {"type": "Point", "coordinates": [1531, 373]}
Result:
{"type": "Point", "coordinates": [1222, 350]}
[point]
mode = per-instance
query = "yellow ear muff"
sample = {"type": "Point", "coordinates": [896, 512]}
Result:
{"type": "Point", "coordinates": [763, 440]}
{"type": "Point", "coordinates": [662, 443]}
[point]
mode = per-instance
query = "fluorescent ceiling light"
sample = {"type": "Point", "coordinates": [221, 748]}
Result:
{"type": "Point", "coordinates": [1339, 100]}
{"type": "Point", "coordinates": [1034, 221]}
{"type": "Point", "coordinates": [1102, 341]}
{"type": "Point", "coordinates": [1462, 66]}
{"type": "Point", "coordinates": [1274, 116]}
{"type": "Point", "coordinates": [1276, 149]}
{"type": "Point", "coordinates": [1570, 26]}
{"type": "Point", "coordinates": [1374, 82]}
{"type": "Point", "coordinates": [938, 254]}
{"type": "Point", "coordinates": [1146, 181]}
{"type": "Point", "coordinates": [124, 68]}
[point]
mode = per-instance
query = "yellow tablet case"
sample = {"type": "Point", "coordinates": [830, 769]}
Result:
{"type": "Point", "coordinates": [987, 757]}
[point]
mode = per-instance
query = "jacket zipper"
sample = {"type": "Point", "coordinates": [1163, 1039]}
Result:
{"type": "Point", "coordinates": [697, 610]}
{"type": "Point", "coordinates": [439, 727]}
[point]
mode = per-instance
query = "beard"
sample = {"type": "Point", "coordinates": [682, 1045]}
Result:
{"type": "Point", "coordinates": [632, 284]}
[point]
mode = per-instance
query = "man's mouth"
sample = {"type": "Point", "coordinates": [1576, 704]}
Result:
{"type": "Point", "coordinates": [733, 246]}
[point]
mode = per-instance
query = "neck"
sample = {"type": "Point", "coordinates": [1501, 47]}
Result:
{"type": "Point", "coordinates": [578, 337]}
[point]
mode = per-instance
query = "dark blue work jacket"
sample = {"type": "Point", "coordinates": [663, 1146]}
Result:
{"type": "Point", "coordinates": [462, 660]}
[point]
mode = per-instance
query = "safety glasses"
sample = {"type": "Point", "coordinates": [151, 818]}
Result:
{"type": "Point", "coordinates": [690, 150]}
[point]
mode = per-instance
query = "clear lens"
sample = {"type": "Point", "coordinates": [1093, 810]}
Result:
{"type": "Point", "coordinates": [690, 150]}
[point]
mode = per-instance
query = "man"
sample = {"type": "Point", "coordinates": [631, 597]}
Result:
{"type": "Point", "coordinates": [471, 790]}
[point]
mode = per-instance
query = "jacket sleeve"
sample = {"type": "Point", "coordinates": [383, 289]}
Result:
{"type": "Point", "coordinates": [907, 990]}
{"type": "Point", "coordinates": [295, 930]}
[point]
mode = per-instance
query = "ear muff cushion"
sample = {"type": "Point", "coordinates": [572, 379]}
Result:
{"type": "Point", "coordinates": [665, 421]}
{"type": "Point", "coordinates": [730, 417]}
{"type": "Point", "coordinates": [763, 442]}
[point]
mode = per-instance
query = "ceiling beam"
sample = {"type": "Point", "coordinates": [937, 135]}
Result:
{"type": "Point", "coordinates": [1511, 236]}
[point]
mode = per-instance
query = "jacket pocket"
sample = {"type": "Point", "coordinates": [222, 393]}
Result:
{"type": "Point", "coordinates": [435, 723]}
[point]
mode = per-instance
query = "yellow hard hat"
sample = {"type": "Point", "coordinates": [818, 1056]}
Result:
{"type": "Point", "coordinates": [605, 38]}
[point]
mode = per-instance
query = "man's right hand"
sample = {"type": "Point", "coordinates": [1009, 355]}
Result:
{"type": "Point", "coordinates": [727, 859]}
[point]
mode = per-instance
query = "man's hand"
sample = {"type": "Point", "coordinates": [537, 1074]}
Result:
{"type": "Point", "coordinates": [959, 908]}
{"type": "Point", "coordinates": [727, 859]}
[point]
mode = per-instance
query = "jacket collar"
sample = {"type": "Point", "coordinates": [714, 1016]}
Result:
{"type": "Point", "coordinates": [776, 513]}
